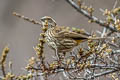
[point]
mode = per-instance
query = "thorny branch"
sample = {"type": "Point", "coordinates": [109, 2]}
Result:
{"type": "Point", "coordinates": [3, 59]}
{"type": "Point", "coordinates": [26, 18]}
{"type": "Point", "coordinates": [86, 14]}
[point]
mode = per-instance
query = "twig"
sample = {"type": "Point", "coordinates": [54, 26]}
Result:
{"type": "Point", "coordinates": [3, 70]}
{"type": "Point", "coordinates": [26, 18]}
{"type": "Point", "coordinates": [115, 4]}
{"type": "Point", "coordinates": [1, 78]}
{"type": "Point", "coordinates": [116, 52]}
{"type": "Point", "coordinates": [10, 67]}
{"type": "Point", "coordinates": [3, 59]}
{"type": "Point", "coordinates": [98, 75]}
{"type": "Point", "coordinates": [86, 14]}
{"type": "Point", "coordinates": [104, 66]}
{"type": "Point", "coordinates": [104, 73]}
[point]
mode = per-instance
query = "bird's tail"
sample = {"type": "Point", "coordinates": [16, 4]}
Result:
{"type": "Point", "coordinates": [99, 38]}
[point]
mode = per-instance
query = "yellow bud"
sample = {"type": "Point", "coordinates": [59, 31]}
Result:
{"type": "Point", "coordinates": [90, 9]}
{"type": "Point", "coordinates": [118, 27]}
{"type": "Point", "coordinates": [116, 10]}
{"type": "Point", "coordinates": [104, 45]}
{"type": "Point", "coordinates": [108, 50]}
{"type": "Point", "coordinates": [42, 34]}
{"type": "Point", "coordinates": [68, 61]}
{"type": "Point", "coordinates": [106, 12]}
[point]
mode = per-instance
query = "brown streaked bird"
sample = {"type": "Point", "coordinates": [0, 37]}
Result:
{"type": "Point", "coordinates": [60, 39]}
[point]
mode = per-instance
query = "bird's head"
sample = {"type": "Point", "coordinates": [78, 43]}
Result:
{"type": "Point", "coordinates": [49, 21]}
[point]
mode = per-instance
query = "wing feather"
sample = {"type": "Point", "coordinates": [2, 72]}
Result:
{"type": "Point", "coordinates": [63, 33]}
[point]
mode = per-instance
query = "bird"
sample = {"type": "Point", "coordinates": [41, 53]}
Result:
{"type": "Point", "coordinates": [60, 39]}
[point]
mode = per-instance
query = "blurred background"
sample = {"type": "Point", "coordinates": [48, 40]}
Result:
{"type": "Point", "coordinates": [21, 36]}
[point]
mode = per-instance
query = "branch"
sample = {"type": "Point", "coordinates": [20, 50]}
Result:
{"type": "Point", "coordinates": [26, 18]}
{"type": "Point", "coordinates": [3, 59]}
{"type": "Point", "coordinates": [105, 66]}
{"type": "Point", "coordinates": [86, 14]}
{"type": "Point", "coordinates": [97, 75]}
{"type": "Point", "coordinates": [1, 78]}
{"type": "Point", "coordinates": [104, 73]}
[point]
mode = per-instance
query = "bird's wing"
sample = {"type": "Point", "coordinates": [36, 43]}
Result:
{"type": "Point", "coordinates": [70, 34]}
{"type": "Point", "coordinates": [62, 34]}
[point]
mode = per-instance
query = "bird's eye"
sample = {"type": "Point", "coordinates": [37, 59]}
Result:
{"type": "Point", "coordinates": [43, 20]}
{"type": "Point", "coordinates": [57, 31]}
{"type": "Point", "coordinates": [50, 21]}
